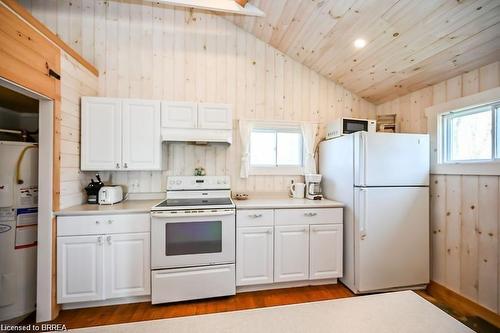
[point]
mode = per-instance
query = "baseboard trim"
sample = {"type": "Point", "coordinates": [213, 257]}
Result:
{"type": "Point", "coordinates": [461, 303]}
{"type": "Point", "coordinates": [281, 285]}
{"type": "Point", "coordinates": [114, 301]}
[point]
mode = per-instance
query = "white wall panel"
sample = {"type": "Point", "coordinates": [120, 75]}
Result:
{"type": "Point", "coordinates": [149, 50]}
{"type": "Point", "coordinates": [465, 219]}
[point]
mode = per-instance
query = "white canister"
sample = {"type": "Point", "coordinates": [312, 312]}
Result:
{"type": "Point", "coordinates": [297, 190]}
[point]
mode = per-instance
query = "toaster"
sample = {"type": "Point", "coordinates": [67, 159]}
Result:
{"type": "Point", "coordinates": [109, 195]}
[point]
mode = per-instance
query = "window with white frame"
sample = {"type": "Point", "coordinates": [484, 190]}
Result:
{"type": "Point", "coordinates": [276, 150]}
{"type": "Point", "coordinates": [471, 135]}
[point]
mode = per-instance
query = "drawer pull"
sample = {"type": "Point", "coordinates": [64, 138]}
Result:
{"type": "Point", "coordinates": [110, 221]}
{"type": "Point", "coordinates": [118, 165]}
{"type": "Point", "coordinates": [255, 215]}
{"type": "Point", "coordinates": [269, 231]}
{"type": "Point", "coordinates": [310, 214]}
{"type": "Point", "coordinates": [109, 240]}
{"type": "Point", "coordinates": [99, 240]}
{"type": "Point", "coordinates": [97, 222]}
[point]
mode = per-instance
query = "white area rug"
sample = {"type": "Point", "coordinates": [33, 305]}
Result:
{"type": "Point", "coordinates": [398, 312]}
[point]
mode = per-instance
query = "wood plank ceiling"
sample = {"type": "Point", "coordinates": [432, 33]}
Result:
{"type": "Point", "coordinates": [411, 44]}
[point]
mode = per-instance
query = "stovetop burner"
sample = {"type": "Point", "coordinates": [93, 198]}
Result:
{"type": "Point", "coordinates": [194, 202]}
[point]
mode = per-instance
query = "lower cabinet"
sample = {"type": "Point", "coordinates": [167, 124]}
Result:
{"type": "Point", "coordinates": [98, 267]}
{"type": "Point", "coordinates": [80, 262]}
{"type": "Point", "coordinates": [127, 265]}
{"type": "Point", "coordinates": [284, 245]}
{"type": "Point", "coordinates": [292, 253]}
{"type": "Point", "coordinates": [254, 255]}
{"type": "Point", "coordinates": [325, 254]}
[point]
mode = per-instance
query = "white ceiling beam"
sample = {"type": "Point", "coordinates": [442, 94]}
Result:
{"type": "Point", "coordinates": [225, 6]}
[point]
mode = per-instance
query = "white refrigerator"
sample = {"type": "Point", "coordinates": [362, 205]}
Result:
{"type": "Point", "coordinates": [383, 179]}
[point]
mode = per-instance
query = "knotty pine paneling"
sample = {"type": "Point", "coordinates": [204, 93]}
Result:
{"type": "Point", "coordinates": [465, 221]}
{"type": "Point", "coordinates": [149, 50]}
{"type": "Point", "coordinates": [76, 81]}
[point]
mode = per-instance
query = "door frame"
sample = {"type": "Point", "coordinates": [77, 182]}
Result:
{"type": "Point", "coordinates": [45, 232]}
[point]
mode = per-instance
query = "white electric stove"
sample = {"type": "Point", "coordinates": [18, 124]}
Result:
{"type": "Point", "coordinates": [193, 240]}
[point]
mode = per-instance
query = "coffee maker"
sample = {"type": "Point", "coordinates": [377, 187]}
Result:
{"type": "Point", "coordinates": [313, 188]}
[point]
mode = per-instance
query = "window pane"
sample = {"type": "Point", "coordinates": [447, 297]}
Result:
{"type": "Point", "coordinates": [289, 148]}
{"type": "Point", "coordinates": [263, 148]}
{"type": "Point", "coordinates": [470, 136]}
{"type": "Point", "coordinates": [497, 131]}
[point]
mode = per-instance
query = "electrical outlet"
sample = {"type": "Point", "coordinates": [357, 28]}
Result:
{"type": "Point", "coordinates": [134, 185]}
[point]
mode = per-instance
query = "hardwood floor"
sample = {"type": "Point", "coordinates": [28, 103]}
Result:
{"type": "Point", "coordinates": [126, 313]}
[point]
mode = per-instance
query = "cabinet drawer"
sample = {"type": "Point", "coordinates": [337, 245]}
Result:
{"type": "Point", "coordinates": [102, 224]}
{"type": "Point", "coordinates": [308, 216]}
{"type": "Point", "coordinates": [255, 218]}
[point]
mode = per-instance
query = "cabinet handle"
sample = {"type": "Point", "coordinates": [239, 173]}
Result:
{"type": "Point", "coordinates": [255, 215]}
{"type": "Point", "coordinates": [97, 222]}
{"type": "Point", "coordinates": [125, 165]}
{"type": "Point", "coordinates": [109, 240]}
{"type": "Point", "coordinates": [118, 165]}
{"type": "Point", "coordinates": [110, 221]}
{"type": "Point", "coordinates": [99, 240]}
{"type": "Point", "coordinates": [310, 214]}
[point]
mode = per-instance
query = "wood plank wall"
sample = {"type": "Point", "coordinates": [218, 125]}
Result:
{"type": "Point", "coordinates": [465, 219]}
{"type": "Point", "coordinates": [148, 50]}
{"type": "Point", "coordinates": [76, 81]}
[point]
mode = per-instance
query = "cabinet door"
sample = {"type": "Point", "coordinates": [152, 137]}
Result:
{"type": "Point", "coordinates": [179, 114]}
{"type": "Point", "coordinates": [80, 269]}
{"type": "Point", "coordinates": [291, 260]}
{"type": "Point", "coordinates": [325, 251]}
{"type": "Point", "coordinates": [214, 116]}
{"type": "Point", "coordinates": [141, 135]}
{"type": "Point", "coordinates": [127, 265]}
{"type": "Point", "coordinates": [254, 255]}
{"type": "Point", "coordinates": [101, 134]}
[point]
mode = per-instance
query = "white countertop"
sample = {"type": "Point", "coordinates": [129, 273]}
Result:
{"type": "Point", "coordinates": [270, 200]}
{"type": "Point", "coordinates": [124, 207]}
{"type": "Point", "coordinates": [255, 201]}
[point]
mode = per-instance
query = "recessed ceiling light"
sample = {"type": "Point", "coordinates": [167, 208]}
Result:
{"type": "Point", "coordinates": [359, 43]}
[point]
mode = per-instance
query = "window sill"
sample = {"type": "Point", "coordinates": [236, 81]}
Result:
{"type": "Point", "coordinates": [490, 168]}
{"type": "Point", "coordinates": [276, 171]}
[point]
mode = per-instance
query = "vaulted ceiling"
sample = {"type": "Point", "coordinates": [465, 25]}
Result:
{"type": "Point", "coordinates": [411, 44]}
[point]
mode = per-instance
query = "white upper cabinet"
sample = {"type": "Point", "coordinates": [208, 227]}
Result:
{"type": "Point", "coordinates": [291, 261]}
{"type": "Point", "coordinates": [141, 135]}
{"type": "Point", "coordinates": [127, 265]}
{"type": "Point", "coordinates": [120, 134]}
{"type": "Point", "coordinates": [325, 251]}
{"type": "Point", "coordinates": [101, 138]}
{"type": "Point", "coordinates": [214, 116]}
{"type": "Point", "coordinates": [179, 114]}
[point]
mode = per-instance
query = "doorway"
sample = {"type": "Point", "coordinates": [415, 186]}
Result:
{"type": "Point", "coordinates": [26, 146]}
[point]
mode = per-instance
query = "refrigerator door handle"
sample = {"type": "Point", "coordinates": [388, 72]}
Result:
{"type": "Point", "coordinates": [362, 160]}
{"type": "Point", "coordinates": [362, 211]}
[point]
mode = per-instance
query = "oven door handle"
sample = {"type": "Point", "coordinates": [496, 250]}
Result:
{"type": "Point", "coordinates": [187, 214]}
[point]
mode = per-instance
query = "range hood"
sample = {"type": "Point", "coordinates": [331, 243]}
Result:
{"type": "Point", "coordinates": [197, 135]}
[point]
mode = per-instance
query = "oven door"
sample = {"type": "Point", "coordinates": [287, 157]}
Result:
{"type": "Point", "coordinates": [183, 239]}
